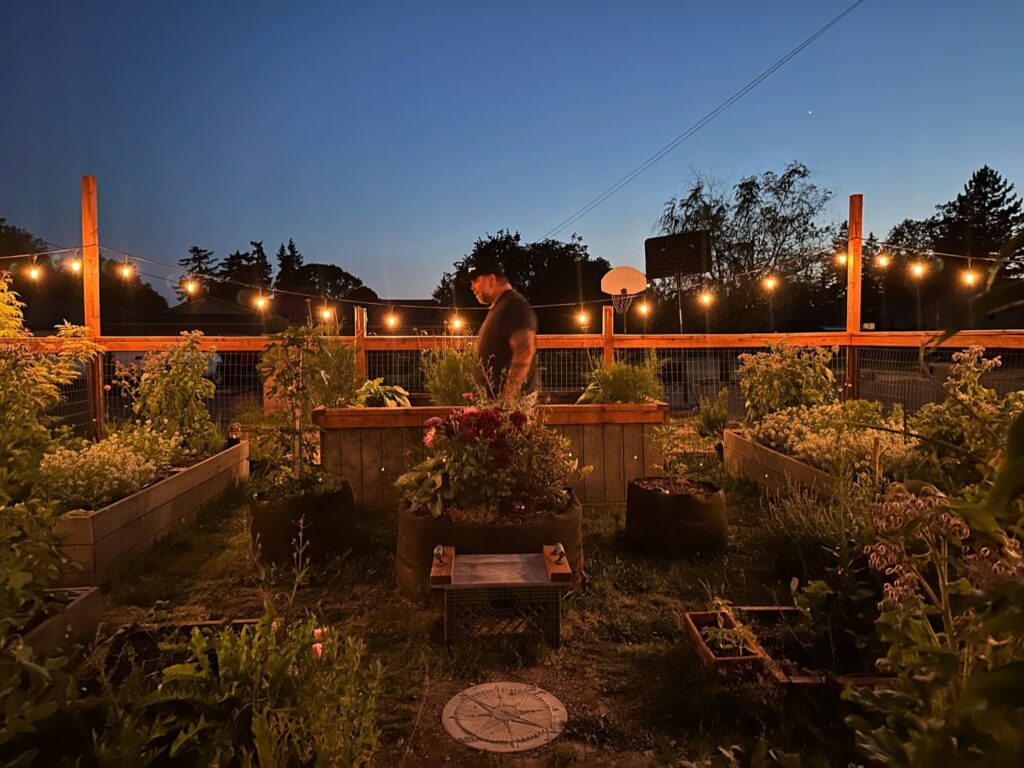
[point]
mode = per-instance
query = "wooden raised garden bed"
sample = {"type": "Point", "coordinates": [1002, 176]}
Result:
{"type": "Point", "coordinates": [751, 658]}
{"type": "Point", "coordinates": [107, 539]}
{"type": "Point", "coordinates": [75, 622]}
{"type": "Point", "coordinates": [371, 447]}
{"type": "Point", "coordinates": [770, 469]}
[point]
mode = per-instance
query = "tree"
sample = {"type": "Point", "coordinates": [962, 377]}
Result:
{"type": "Point", "coordinates": [770, 223]}
{"type": "Point", "coordinates": [982, 219]}
{"type": "Point", "coordinates": [289, 262]}
{"type": "Point", "coordinates": [546, 272]}
{"type": "Point", "coordinates": [261, 272]}
{"type": "Point", "coordinates": [198, 263]}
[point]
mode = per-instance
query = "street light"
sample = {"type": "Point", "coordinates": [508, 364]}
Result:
{"type": "Point", "coordinates": [707, 299]}
{"type": "Point", "coordinates": [770, 284]}
{"type": "Point", "coordinates": [917, 271]}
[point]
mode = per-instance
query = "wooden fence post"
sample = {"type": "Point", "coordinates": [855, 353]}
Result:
{"type": "Point", "coordinates": [854, 235]}
{"type": "Point", "coordinates": [608, 331]}
{"type": "Point", "coordinates": [359, 339]}
{"type": "Point", "coordinates": [91, 296]}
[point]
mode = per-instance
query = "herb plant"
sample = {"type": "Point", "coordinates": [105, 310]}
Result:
{"type": "Point", "coordinates": [625, 383]}
{"type": "Point", "coordinates": [785, 377]}
{"type": "Point", "coordinates": [450, 373]}
{"type": "Point", "coordinates": [376, 394]}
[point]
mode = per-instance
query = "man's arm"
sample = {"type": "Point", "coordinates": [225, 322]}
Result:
{"type": "Point", "coordinates": [524, 347]}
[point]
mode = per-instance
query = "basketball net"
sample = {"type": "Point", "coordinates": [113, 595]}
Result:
{"type": "Point", "coordinates": [622, 301]}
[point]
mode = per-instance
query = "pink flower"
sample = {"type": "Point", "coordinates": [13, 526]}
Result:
{"type": "Point", "coordinates": [467, 395]}
{"type": "Point", "coordinates": [318, 649]}
{"type": "Point", "coordinates": [433, 421]}
{"type": "Point", "coordinates": [106, 387]}
{"type": "Point", "coordinates": [319, 633]}
{"type": "Point", "coordinates": [429, 436]}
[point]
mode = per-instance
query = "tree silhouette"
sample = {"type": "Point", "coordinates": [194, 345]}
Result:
{"type": "Point", "coordinates": [198, 263]}
{"type": "Point", "coordinates": [289, 262]}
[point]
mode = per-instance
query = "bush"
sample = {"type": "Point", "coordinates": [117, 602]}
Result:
{"type": "Point", "coordinates": [376, 394]}
{"type": "Point", "coordinates": [450, 374]}
{"type": "Point", "coordinates": [490, 464]}
{"type": "Point", "coordinates": [961, 437]}
{"type": "Point", "coordinates": [838, 437]}
{"type": "Point", "coordinates": [785, 377]}
{"type": "Point", "coordinates": [713, 417]}
{"type": "Point", "coordinates": [99, 473]}
{"type": "Point", "coordinates": [624, 383]}
{"type": "Point", "coordinates": [169, 390]}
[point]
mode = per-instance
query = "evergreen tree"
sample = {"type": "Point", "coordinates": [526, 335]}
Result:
{"type": "Point", "coordinates": [982, 219]}
{"type": "Point", "coordinates": [199, 262]}
{"type": "Point", "coordinates": [260, 271]}
{"type": "Point", "coordinates": [289, 262]}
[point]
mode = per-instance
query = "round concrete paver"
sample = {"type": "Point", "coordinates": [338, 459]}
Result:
{"type": "Point", "coordinates": [504, 717]}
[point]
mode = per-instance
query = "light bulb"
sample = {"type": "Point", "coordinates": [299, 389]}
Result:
{"type": "Point", "coordinates": [770, 283]}
{"type": "Point", "coordinates": [34, 272]}
{"type": "Point", "coordinates": [126, 270]}
{"type": "Point", "coordinates": [190, 287]}
{"type": "Point", "coordinates": [644, 308]}
{"type": "Point", "coordinates": [706, 298]}
{"type": "Point", "coordinates": [883, 260]}
{"type": "Point", "coordinates": [76, 266]}
{"type": "Point", "coordinates": [917, 269]}
{"type": "Point", "coordinates": [841, 259]}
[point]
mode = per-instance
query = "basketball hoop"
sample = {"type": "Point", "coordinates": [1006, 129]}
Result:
{"type": "Point", "coordinates": [622, 301]}
{"type": "Point", "coordinates": [623, 284]}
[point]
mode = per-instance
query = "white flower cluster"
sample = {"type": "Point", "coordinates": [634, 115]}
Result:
{"type": "Point", "coordinates": [838, 437]}
{"type": "Point", "coordinates": [99, 473]}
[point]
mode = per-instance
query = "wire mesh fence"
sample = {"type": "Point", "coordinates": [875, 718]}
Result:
{"type": "Point", "coordinates": [234, 374]}
{"type": "Point", "coordinates": [890, 374]}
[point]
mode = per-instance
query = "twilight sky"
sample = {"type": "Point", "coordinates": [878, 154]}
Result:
{"type": "Point", "coordinates": [386, 137]}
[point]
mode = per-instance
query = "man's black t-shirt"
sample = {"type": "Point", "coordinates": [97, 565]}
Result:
{"type": "Point", "coordinates": [509, 314]}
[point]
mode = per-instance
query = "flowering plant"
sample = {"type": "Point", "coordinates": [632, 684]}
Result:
{"type": "Point", "coordinates": [490, 464]}
{"type": "Point", "coordinates": [840, 437]}
{"type": "Point", "coordinates": [784, 377]}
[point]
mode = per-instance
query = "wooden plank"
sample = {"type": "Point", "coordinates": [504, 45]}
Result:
{"type": "Point", "coordinates": [330, 451]}
{"type": "Point", "coordinates": [372, 468]}
{"type": "Point", "coordinates": [90, 256]}
{"type": "Point", "coordinates": [412, 445]}
{"type": "Point", "coordinates": [393, 461]}
{"type": "Point", "coordinates": [441, 570]}
{"type": "Point", "coordinates": [593, 454]}
{"type": "Point", "coordinates": [352, 462]}
{"type": "Point", "coordinates": [608, 335]}
{"type": "Point", "coordinates": [633, 452]}
{"type": "Point", "coordinates": [614, 474]}
{"type": "Point", "coordinates": [126, 510]}
{"type": "Point", "coordinates": [557, 566]}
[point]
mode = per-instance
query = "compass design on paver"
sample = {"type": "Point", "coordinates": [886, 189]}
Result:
{"type": "Point", "coordinates": [504, 717]}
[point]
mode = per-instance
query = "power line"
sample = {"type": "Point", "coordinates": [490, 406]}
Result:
{"type": "Point", "coordinates": [698, 125]}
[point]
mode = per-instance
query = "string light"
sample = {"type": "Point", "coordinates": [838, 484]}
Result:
{"type": "Point", "coordinates": [391, 321]}
{"type": "Point", "coordinates": [34, 272]}
{"type": "Point", "coordinates": [126, 270]}
{"type": "Point", "coordinates": [326, 314]}
{"type": "Point", "coordinates": [771, 283]}
{"type": "Point", "coordinates": [644, 308]}
{"type": "Point", "coordinates": [969, 276]}
{"type": "Point", "coordinates": [261, 302]}
{"type": "Point", "coordinates": [706, 298]}
{"type": "Point", "coordinates": [917, 269]}
{"type": "Point", "coordinates": [582, 318]}
{"type": "Point", "coordinates": [841, 259]}
{"type": "Point", "coordinates": [883, 260]}
{"type": "Point", "coordinates": [75, 265]}
{"type": "Point", "coordinates": [191, 287]}
{"type": "Point", "coordinates": [456, 323]}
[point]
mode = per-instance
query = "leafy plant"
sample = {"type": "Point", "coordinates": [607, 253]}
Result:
{"type": "Point", "coordinates": [625, 383]}
{"type": "Point", "coordinates": [30, 388]}
{"type": "Point", "coordinates": [301, 369]}
{"type": "Point", "coordinates": [962, 436]}
{"type": "Point", "coordinates": [490, 464]}
{"type": "Point", "coordinates": [450, 373]}
{"type": "Point", "coordinates": [170, 390]}
{"type": "Point", "coordinates": [785, 377]}
{"type": "Point", "coordinates": [713, 416]}
{"type": "Point", "coordinates": [723, 639]}
{"type": "Point", "coordinates": [375, 393]}
{"type": "Point", "coordinates": [274, 693]}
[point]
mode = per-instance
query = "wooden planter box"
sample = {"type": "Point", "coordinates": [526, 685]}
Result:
{"type": "Point", "coordinates": [770, 469]}
{"type": "Point", "coordinates": [109, 538]}
{"type": "Point", "coordinates": [756, 659]}
{"type": "Point", "coordinates": [371, 447]}
{"type": "Point", "coordinates": [77, 620]}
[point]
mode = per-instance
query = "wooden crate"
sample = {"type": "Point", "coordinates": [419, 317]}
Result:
{"type": "Point", "coordinates": [770, 469]}
{"type": "Point", "coordinates": [371, 447]}
{"type": "Point", "coordinates": [106, 539]}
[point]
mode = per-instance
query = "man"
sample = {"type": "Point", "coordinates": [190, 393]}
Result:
{"type": "Point", "coordinates": [507, 341]}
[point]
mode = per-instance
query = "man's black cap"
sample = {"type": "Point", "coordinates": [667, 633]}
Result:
{"type": "Point", "coordinates": [483, 264]}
